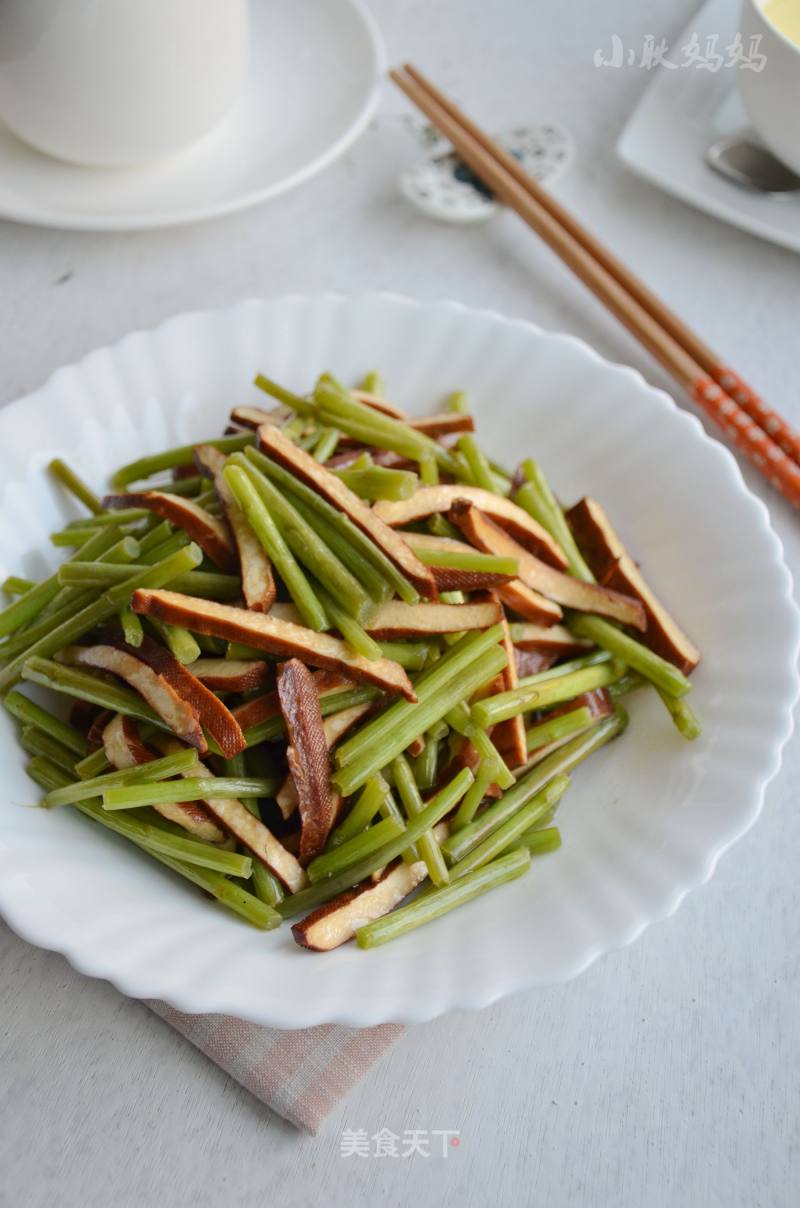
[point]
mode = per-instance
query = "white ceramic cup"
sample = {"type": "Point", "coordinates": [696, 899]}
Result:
{"type": "Point", "coordinates": [772, 95]}
{"type": "Point", "coordinates": [119, 82]}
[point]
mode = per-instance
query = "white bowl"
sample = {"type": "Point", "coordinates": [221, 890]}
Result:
{"type": "Point", "coordinates": [645, 820]}
{"type": "Point", "coordinates": [772, 95]}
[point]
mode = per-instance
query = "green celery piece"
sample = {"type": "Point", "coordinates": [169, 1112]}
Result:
{"type": "Point", "coordinates": [146, 467]}
{"type": "Point", "coordinates": [439, 901]}
{"type": "Point", "coordinates": [462, 841]}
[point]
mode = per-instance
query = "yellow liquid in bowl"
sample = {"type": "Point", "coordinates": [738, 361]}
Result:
{"type": "Point", "coordinates": [785, 16]}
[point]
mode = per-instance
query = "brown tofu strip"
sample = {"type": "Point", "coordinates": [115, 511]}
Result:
{"type": "Point", "coordinates": [449, 578]}
{"type": "Point", "coordinates": [254, 417]}
{"type": "Point", "coordinates": [278, 637]}
{"type": "Point", "coordinates": [531, 605]}
{"type": "Point", "coordinates": [613, 566]}
{"type": "Point", "coordinates": [531, 662]}
{"type": "Point", "coordinates": [214, 715]}
{"type": "Point", "coordinates": [553, 639]}
{"type": "Point", "coordinates": [380, 404]}
{"type": "Point", "coordinates": [337, 921]}
{"type": "Point", "coordinates": [398, 620]}
{"type": "Point", "coordinates": [444, 424]}
{"type": "Point", "coordinates": [308, 756]}
{"type": "Point", "coordinates": [261, 708]}
{"type": "Point", "coordinates": [429, 500]}
{"type": "Point", "coordinates": [563, 589]}
{"type": "Point", "coordinates": [258, 583]}
{"type": "Point", "coordinates": [153, 687]}
{"type": "Point", "coordinates": [334, 727]}
{"type": "Point", "coordinates": [249, 830]}
{"type": "Point", "coordinates": [231, 675]}
{"type": "Point", "coordinates": [302, 464]}
{"type": "Point", "coordinates": [210, 534]}
{"type": "Point", "coordinates": [509, 736]}
{"type": "Point", "coordinates": [125, 749]}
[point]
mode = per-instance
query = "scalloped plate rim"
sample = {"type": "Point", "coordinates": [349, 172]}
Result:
{"type": "Point", "coordinates": [217, 1001]}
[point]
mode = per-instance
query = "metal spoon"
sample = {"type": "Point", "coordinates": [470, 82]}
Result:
{"type": "Point", "coordinates": [743, 159]}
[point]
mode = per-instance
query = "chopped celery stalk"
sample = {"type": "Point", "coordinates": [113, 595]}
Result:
{"type": "Point", "coordinates": [685, 720]}
{"type": "Point", "coordinates": [180, 641]}
{"type": "Point", "coordinates": [505, 836]}
{"type": "Point", "coordinates": [31, 714]}
{"type": "Point", "coordinates": [208, 585]}
{"type": "Point", "coordinates": [101, 610]}
{"type": "Point", "coordinates": [439, 901]}
{"type": "Point", "coordinates": [155, 770]}
{"type": "Point", "coordinates": [377, 586]}
{"type": "Point", "coordinates": [306, 545]}
{"type": "Point", "coordinates": [29, 605]}
{"type": "Point", "coordinates": [554, 728]}
{"type": "Point", "coordinates": [435, 809]}
{"type": "Point", "coordinates": [441, 527]}
{"type": "Point", "coordinates": [296, 402]}
{"type": "Point", "coordinates": [373, 383]}
{"type": "Point", "coordinates": [36, 742]}
{"type": "Point", "coordinates": [592, 659]}
{"type": "Point", "coordinates": [237, 650]}
{"type": "Point", "coordinates": [540, 840]}
{"type": "Point", "coordinates": [480, 471]}
{"type": "Point", "coordinates": [350, 852]}
{"type": "Point", "coordinates": [432, 707]}
{"type": "Point", "coordinates": [362, 812]}
{"type": "Point", "coordinates": [325, 444]}
{"type": "Point", "coordinates": [353, 633]}
{"type": "Point", "coordinates": [117, 517]}
{"type": "Point", "coordinates": [127, 797]}
{"type": "Point", "coordinates": [412, 803]}
{"type": "Point", "coordinates": [339, 407]}
{"type": "Point", "coordinates": [343, 525]}
{"type": "Point", "coordinates": [15, 586]}
{"type": "Point", "coordinates": [158, 840]}
{"type": "Point", "coordinates": [84, 685]}
{"type": "Point", "coordinates": [46, 774]}
{"type": "Point", "coordinates": [132, 630]}
{"type": "Point", "coordinates": [265, 528]}
{"type": "Point", "coordinates": [462, 841]}
{"type": "Point", "coordinates": [460, 720]}
{"type": "Point", "coordinates": [146, 467]}
{"type": "Point", "coordinates": [429, 473]}
{"type": "Point", "coordinates": [447, 668]}
{"type": "Point", "coordinates": [494, 709]}
{"type": "Point", "coordinates": [426, 764]}
{"type": "Point", "coordinates": [68, 478]}
{"type": "Point", "coordinates": [182, 486]}
{"type": "Point", "coordinates": [456, 559]}
{"type": "Point", "coordinates": [536, 497]}
{"type": "Point", "coordinates": [484, 778]}
{"type": "Point", "coordinates": [380, 482]}
{"type": "Point", "coordinates": [92, 765]}
{"type": "Point", "coordinates": [413, 656]}
{"type": "Point", "coordinates": [652, 666]}
{"type": "Point", "coordinates": [631, 681]}
{"type": "Point", "coordinates": [266, 886]}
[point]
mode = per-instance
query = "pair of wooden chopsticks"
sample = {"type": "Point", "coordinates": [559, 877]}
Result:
{"type": "Point", "coordinates": [761, 434]}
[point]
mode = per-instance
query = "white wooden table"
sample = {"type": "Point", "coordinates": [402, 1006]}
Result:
{"type": "Point", "coordinates": [667, 1074]}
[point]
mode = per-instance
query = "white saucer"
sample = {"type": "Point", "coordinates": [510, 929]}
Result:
{"type": "Point", "coordinates": [681, 113]}
{"type": "Point", "coordinates": [313, 87]}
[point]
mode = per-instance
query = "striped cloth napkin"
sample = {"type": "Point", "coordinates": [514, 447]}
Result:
{"type": "Point", "coordinates": [301, 1075]}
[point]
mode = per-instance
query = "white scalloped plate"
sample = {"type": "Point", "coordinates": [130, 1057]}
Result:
{"type": "Point", "coordinates": [643, 823]}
